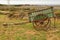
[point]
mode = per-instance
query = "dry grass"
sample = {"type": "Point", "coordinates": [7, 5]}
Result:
{"type": "Point", "coordinates": [26, 31]}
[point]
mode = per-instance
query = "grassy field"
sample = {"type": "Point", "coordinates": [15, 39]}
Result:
{"type": "Point", "coordinates": [26, 31]}
{"type": "Point", "coordinates": [19, 32]}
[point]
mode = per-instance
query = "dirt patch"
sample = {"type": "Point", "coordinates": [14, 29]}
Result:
{"type": "Point", "coordinates": [30, 32]}
{"type": "Point", "coordinates": [52, 36]}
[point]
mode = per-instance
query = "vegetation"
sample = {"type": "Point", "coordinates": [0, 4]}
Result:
{"type": "Point", "coordinates": [25, 31]}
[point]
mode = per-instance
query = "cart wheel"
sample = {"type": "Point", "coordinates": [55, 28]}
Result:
{"type": "Point", "coordinates": [41, 24]}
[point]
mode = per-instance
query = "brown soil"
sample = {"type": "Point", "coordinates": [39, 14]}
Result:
{"type": "Point", "coordinates": [52, 36]}
{"type": "Point", "coordinates": [30, 32]}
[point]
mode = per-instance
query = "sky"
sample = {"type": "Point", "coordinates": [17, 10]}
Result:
{"type": "Point", "coordinates": [34, 2]}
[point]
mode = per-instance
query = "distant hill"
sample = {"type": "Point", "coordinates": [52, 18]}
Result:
{"type": "Point", "coordinates": [6, 7]}
{"type": "Point", "coordinates": [3, 5]}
